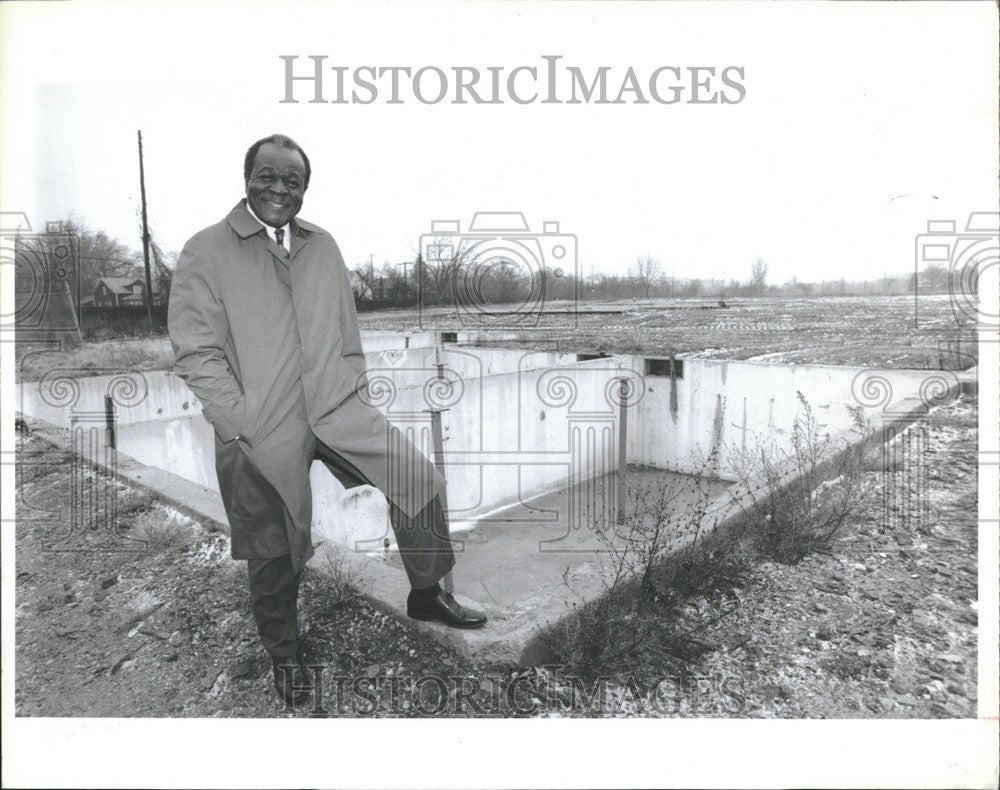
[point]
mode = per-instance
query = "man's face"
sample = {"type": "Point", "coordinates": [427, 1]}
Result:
{"type": "Point", "coordinates": [277, 184]}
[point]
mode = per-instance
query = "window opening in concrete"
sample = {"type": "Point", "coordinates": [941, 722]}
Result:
{"type": "Point", "coordinates": [662, 367]}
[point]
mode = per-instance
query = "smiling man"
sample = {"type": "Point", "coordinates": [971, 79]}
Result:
{"type": "Point", "coordinates": [264, 331]}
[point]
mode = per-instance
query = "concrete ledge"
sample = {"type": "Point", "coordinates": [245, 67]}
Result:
{"type": "Point", "coordinates": [198, 502]}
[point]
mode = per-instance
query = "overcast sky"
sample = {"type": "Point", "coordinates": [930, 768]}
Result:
{"type": "Point", "coordinates": [846, 107]}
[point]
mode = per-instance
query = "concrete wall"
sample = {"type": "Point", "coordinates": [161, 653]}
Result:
{"type": "Point", "coordinates": [728, 407]}
{"type": "Point", "coordinates": [375, 340]}
{"type": "Point", "coordinates": [505, 444]}
{"type": "Point", "coordinates": [138, 396]}
{"type": "Point", "coordinates": [417, 366]}
{"type": "Point", "coordinates": [515, 424]}
{"type": "Point", "coordinates": [142, 396]}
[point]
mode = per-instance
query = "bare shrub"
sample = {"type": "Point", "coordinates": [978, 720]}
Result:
{"type": "Point", "coordinates": [801, 496]}
{"type": "Point", "coordinates": [665, 550]}
{"type": "Point", "coordinates": [669, 550]}
{"type": "Point", "coordinates": [661, 518]}
{"type": "Point", "coordinates": [160, 532]}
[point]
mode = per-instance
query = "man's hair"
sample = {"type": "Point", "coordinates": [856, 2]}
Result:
{"type": "Point", "coordinates": [280, 140]}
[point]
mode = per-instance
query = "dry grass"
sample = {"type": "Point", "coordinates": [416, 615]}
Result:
{"type": "Point", "coordinates": [332, 586]}
{"type": "Point", "coordinates": [95, 358]}
{"type": "Point", "coordinates": [161, 532]}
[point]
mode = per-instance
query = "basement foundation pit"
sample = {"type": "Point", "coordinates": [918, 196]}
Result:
{"type": "Point", "coordinates": [532, 443]}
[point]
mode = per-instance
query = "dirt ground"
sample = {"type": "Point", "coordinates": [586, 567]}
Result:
{"type": "Point", "coordinates": [141, 612]}
{"type": "Point", "coordinates": [885, 624]}
{"type": "Point", "coordinates": [931, 332]}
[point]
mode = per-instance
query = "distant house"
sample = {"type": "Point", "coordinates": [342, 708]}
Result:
{"type": "Point", "coordinates": [121, 291]}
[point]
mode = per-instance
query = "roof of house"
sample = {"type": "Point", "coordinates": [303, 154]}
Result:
{"type": "Point", "coordinates": [120, 285]}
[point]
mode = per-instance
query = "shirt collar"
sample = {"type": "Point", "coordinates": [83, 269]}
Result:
{"type": "Point", "coordinates": [269, 227]}
{"type": "Point", "coordinates": [243, 221]}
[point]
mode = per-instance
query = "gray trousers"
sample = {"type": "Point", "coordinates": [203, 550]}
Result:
{"type": "Point", "coordinates": [424, 546]}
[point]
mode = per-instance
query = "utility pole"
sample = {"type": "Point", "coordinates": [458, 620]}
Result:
{"type": "Point", "coordinates": [145, 239]}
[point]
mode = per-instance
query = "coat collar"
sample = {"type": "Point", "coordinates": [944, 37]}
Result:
{"type": "Point", "coordinates": [246, 226]}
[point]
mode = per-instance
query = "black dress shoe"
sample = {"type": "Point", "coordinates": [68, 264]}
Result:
{"type": "Point", "coordinates": [291, 680]}
{"type": "Point", "coordinates": [443, 608]}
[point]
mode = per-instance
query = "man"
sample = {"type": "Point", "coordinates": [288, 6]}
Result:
{"type": "Point", "coordinates": [264, 331]}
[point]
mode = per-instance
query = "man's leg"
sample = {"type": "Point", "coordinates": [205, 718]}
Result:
{"type": "Point", "coordinates": [274, 593]}
{"type": "Point", "coordinates": [257, 517]}
{"type": "Point", "coordinates": [424, 546]}
{"type": "Point", "coordinates": [424, 543]}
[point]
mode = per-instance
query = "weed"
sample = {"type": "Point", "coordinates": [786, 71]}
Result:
{"type": "Point", "coordinates": [333, 586]}
{"type": "Point", "coordinates": [800, 497]}
{"type": "Point", "coordinates": [159, 532]}
{"type": "Point", "coordinates": [662, 518]}
{"type": "Point", "coordinates": [132, 506]}
{"type": "Point", "coordinates": [668, 552]}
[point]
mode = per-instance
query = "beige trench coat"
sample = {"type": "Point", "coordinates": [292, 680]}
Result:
{"type": "Point", "coordinates": [274, 356]}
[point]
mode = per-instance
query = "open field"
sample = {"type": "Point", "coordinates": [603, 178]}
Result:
{"type": "Point", "coordinates": [882, 331]}
{"type": "Point", "coordinates": [878, 331]}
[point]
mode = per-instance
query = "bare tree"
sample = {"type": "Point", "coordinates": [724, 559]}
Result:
{"type": "Point", "coordinates": [758, 276]}
{"type": "Point", "coordinates": [164, 271]}
{"type": "Point", "coordinates": [440, 267]}
{"type": "Point", "coordinates": [499, 282]}
{"type": "Point", "coordinates": [694, 287]}
{"type": "Point", "coordinates": [445, 267]}
{"type": "Point", "coordinates": [392, 284]}
{"type": "Point", "coordinates": [647, 270]}
{"type": "Point", "coordinates": [364, 289]}
{"type": "Point", "coordinates": [100, 255]}
{"type": "Point", "coordinates": [935, 277]}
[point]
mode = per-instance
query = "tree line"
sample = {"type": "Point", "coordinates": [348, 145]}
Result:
{"type": "Point", "coordinates": [448, 280]}
{"type": "Point", "coordinates": [446, 274]}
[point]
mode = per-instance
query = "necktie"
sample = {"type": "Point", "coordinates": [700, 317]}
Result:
{"type": "Point", "coordinates": [279, 236]}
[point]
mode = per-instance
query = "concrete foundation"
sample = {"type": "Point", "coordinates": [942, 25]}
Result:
{"type": "Point", "coordinates": [532, 448]}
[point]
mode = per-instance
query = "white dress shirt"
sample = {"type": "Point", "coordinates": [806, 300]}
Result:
{"type": "Point", "coordinates": [286, 242]}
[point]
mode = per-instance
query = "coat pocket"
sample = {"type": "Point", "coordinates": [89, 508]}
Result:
{"type": "Point", "coordinates": [255, 509]}
{"type": "Point", "coordinates": [250, 434]}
